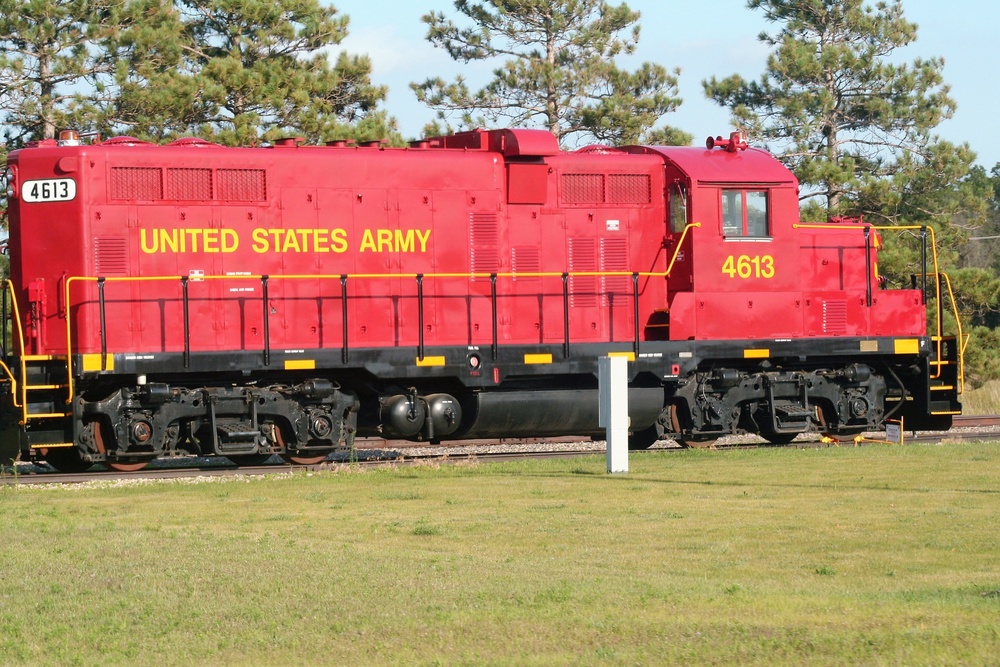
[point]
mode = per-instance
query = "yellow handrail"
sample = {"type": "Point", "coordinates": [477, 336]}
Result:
{"type": "Point", "coordinates": [16, 315]}
{"type": "Point", "coordinates": [677, 250]}
{"type": "Point", "coordinates": [13, 382]}
{"type": "Point", "coordinates": [958, 341]}
{"type": "Point", "coordinates": [371, 276]}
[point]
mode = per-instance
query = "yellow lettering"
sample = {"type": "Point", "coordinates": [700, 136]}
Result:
{"type": "Point", "coordinates": [404, 240]}
{"type": "Point", "coordinates": [384, 239]}
{"type": "Point", "coordinates": [321, 240]}
{"type": "Point", "coordinates": [367, 241]}
{"type": "Point", "coordinates": [195, 235]}
{"type": "Point", "coordinates": [211, 237]}
{"type": "Point", "coordinates": [230, 240]}
{"type": "Point", "coordinates": [155, 247]}
{"type": "Point", "coordinates": [169, 241]}
{"type": "Point", "coordinates": [422, 236]}
{"type": "Point", "coordinates": [260, 243]}
{"type": "Point", "coordinates": [388, 240]}
{"type": "Point", "coordinates": [291, 242]}
{"type": "Point", "coordinates": [338, 240]}
{"type": "Point", "coordinates": [745, 266]}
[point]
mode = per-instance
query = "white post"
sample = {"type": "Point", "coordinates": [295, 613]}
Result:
{"type": "Point", "coordinates": [613, 409]}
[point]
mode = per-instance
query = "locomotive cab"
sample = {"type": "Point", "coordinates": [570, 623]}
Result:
{"type": "Point", "coordinates": [739, 261]}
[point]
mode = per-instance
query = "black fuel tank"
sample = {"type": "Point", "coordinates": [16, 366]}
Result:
{"type": "Point", "coordinates": [549, 413]}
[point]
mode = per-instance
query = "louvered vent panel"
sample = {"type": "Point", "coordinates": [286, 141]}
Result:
{"type": "Point", "coordinates": [110, 255]}
{"type": "Point", "coordinates": [484, 256]}
{"type": "Point", "coordinates": [241, 184]}
{"type": "Point", "coordinates": [582, 289]}
{"type": "Point", "coordinates": [526, 260]}
{"type": "Point", "coordinates": [835, 317]}
{"type": "Point", "coordinates": [629, 189]}
{"type": "Point", "coordinates": [144, 183]}
{"type": "Point", "coordinates": [189, 184]}
{"type": "Point", "coordinates": [614, 257]}
{"type": "Point", "coordinates": [583, 188]}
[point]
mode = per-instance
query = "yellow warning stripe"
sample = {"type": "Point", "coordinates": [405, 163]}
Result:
{"type": "Point", "coordinates": [538, 358]}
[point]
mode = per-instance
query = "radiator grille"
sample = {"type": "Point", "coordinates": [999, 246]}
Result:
{"type": "Point", "coordinates": [110, 255]}
{"type": "Point", "coordinates": [484, 256]}
{"type": "Point", "coordinates": [526, 259]}
{"type": "Point", "coordinates": [143, 183]}
{"type": "Point", "coordinates": [629, 189]}
{"type": "Point", "coordinates": [189, 184]}
{"type": "Point", "coordinates": [614, 257]}
{"type": "Point", "coordinates": [835, 317]}
{"type": "Point", "coordinates": [582, 258]}
{"type": "Point", "coordinates": [583, 188]}
{"type": "Point", "coordinates": [242, 184]}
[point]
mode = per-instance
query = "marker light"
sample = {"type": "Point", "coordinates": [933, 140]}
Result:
{"type": "Point", "coordinates": [69, 138]}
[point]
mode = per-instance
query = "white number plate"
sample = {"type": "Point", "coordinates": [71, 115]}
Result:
{"type": "Point", "coordinates": [50, 189]}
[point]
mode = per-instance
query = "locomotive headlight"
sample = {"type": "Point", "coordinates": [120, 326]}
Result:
{"type": "Point", "coordinates": [9, 184]}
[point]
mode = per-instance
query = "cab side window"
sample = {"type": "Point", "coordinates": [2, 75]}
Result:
{"type": "Point", "coordinates": [678, 207]}
{"type": "Point", "coordinates": [732, 212]}
{"type": "Point", "coordinates": [745, 213]}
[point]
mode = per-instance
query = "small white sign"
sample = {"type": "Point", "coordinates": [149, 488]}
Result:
{"type": "Point", "coordinates": [893, 432]}
{"type": "Point", "coordinates": [613, 225]}
{"type": "Point", "coordinates": [49, 189]}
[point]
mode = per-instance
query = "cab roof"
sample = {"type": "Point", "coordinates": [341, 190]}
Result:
{"type": "Point", "coordinates": [710, 166]}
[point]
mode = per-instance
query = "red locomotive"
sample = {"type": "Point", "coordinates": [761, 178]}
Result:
{"type": "Point", "coordinates": [245, 302]}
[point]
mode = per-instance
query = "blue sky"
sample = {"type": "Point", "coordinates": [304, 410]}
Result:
{"type": "Point", "coordinates": [713, 37]}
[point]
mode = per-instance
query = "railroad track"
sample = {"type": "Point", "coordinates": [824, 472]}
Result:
{"type": "Point", "coordinates": [372, 452]}
{"type": "Point", "coordinates": [975, 421]}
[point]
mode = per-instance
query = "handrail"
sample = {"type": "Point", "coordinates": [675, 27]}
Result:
{"type": "Point", "coordinates": [343, 278]}
{"type": "Point", "coordinates": [958, 342]}
{"type": "Point", "coordinates": [13, 381]}
{"type": "Point", "coordinates": [185, 282]}
{"type": "Point", "coordinates": [69, 324]}
{"type": "Point", "coordinates": [15, 313]}
{"type": "Point", "coordinates": [677, 249]}
{"type": "Point", "coordinates": [419, 277]}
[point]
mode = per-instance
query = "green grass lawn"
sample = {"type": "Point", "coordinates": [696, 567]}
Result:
{"type": "Point", "coordinates": [873, 555]}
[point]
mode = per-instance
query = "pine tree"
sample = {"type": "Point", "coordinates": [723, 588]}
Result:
{"type": "Point", "coordinates": [830, 102]}
{"type": "Point", "coordinates": [48, 65]}
{"type": "Point", "coordinates": [556, 70]}
{"type": "Point", "coordinates": [243, 72]}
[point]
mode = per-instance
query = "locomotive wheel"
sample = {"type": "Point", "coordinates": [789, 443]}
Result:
{"type": "Point", "coordinates": [124, 464]}
{"type": "Point", "coordinates": [127, 465]}
{"type": "Point", "coordinates": [304, 459]}
{"type": "Point", "coordinates": [843, 435]}
{"type": "Point", "coordinates": [65, 459]}
{"type": "Point", "coordinates": [243, 460]}
{"type": "Point", "coordinates": [297, 459]}
{"type": "Point", "coordinates": [701, 441]}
